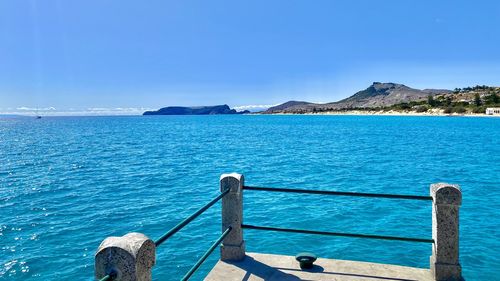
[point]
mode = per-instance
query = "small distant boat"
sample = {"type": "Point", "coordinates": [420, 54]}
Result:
{"type": "Point", "coordinates": [38, 117]}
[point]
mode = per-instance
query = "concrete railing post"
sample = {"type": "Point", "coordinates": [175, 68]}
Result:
{"type": "Point", "coordinates": [128, 258]}
{"type": "Point", "coordinates": [233, 246]}
{"type": "Point", "coordinates": [446, 203]}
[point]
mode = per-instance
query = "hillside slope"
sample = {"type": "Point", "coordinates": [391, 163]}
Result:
{"type": "Point", "coordinates": [376, 95]}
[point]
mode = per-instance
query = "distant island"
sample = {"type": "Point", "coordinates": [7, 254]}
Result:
{"type": "Point", "coordinates": [393, 98]}
{"type": "Point", "coordinates": [197, 110]}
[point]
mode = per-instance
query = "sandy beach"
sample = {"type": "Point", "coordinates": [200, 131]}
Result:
{"type": "Point", "coordinates": [392, 113]}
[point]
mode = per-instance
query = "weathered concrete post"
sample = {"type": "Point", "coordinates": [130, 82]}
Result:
{"type": "Point", "coordinates": [233, 246]}
{"type": "Point", "coordinates": [447, 199]}
{"type": "Point", "coordinates": [128, 258]}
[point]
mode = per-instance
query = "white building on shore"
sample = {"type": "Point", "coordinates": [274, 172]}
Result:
{"type": "Point", "coordinates": [493, 111]}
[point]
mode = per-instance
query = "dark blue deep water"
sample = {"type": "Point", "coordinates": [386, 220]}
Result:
{"type": "Point", "coordinates": [66, 183]}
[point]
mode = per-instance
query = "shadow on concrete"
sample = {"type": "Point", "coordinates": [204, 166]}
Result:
{"type": "Point", "coordinates": [266, 272]}
{"type": "Point", "coordinates": [345, 274]}
{"type": "Point", "coordinates": [261, 270]}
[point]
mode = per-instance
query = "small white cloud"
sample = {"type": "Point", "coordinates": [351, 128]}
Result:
{"type": "Point", "coordinates": [97, 109]}
{"type": "Point", "coordinates": [254, 107]}
{"type": "Point", "coordinates": [25, 108]}
{"type": "Point", "coordinates": [91, 111]}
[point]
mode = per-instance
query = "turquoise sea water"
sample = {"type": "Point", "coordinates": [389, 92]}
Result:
{"type": "Point", "coordinates": [66, 183]}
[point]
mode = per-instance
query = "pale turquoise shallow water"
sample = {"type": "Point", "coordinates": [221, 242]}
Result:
{"type": "Point", "coordinates": [66, 183]}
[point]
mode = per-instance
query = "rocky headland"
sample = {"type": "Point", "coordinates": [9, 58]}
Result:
{"type": "Point", "coordinates": [197, 110]}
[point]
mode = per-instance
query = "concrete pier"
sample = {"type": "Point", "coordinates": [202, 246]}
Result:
{"type": "Point", "coordinates": [444, 261]}
{"type": "Point", "coordinates": [131, 257]}
{"type": "Point", "coordinates": [259, 267]}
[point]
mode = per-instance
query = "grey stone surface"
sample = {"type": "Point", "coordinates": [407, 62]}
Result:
{"type": "Point", "coordinates": [131, 256]}
{"type": "Point", "coordinates": [446, 194]}
{"type": "Point", "coordinates": [233, 246]}
{"type": "Point", "coordinates": [258, 267]}
{"type": "Point", "coordinates": [444, 261]}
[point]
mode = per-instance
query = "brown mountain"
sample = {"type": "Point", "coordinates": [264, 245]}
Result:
{"type": "Point", "coordinates": [377, 95]}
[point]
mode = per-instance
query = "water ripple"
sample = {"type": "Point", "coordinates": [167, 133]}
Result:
{"type": "Point", "coordinates": [67, 183]}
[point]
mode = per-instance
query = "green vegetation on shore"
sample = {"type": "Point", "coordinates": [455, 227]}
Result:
{"type": "Point", "coordinates": [467, 100]}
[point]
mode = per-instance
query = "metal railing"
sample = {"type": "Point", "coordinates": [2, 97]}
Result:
{"type": "Point", "coordinates": [343, 234]}
{"type": "Point", "coordinates": [446, 200]}
{"type": "Point", "coordinates": [181, 225]}
{"type": "Point", "coordinates": [207, 253]}
{"type": "Point", "coordinates": [339, 193]}
{"type": "Point", "coordinates": [108, 277]}
{"type": "Point", "coordinates": [185, 222]}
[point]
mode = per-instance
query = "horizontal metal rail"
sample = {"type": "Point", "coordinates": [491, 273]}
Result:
{"type": "Point", "coordinates": [106, 278]}
{"type": "Point", "coordinates": [183, 223]}
{"type": "Point", "coordinates": [206, 255]}
{"type": "Point", "coordinates": [247, 226]}
{"type": "Point", "coordinates": [110, 276]}
{"type": "Point", "coordinates": [339, 193]}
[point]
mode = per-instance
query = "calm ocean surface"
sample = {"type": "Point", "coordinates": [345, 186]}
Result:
{"type": "Point", "coordinates": [66, 183]}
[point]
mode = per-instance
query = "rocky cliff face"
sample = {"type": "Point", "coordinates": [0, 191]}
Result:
{"type": "Point", "coordinates": [386, 94]}
{"type": "Point", "coordinates": [201, 110]}
{"type": "Point", "coordinates": [377, 95]}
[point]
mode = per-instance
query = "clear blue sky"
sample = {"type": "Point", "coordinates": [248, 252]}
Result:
{"type": "Point", "coordinates": [120, 54]}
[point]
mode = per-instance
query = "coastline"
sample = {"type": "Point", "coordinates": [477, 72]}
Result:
{"type": "Point", "coordinates": [391, 113]}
